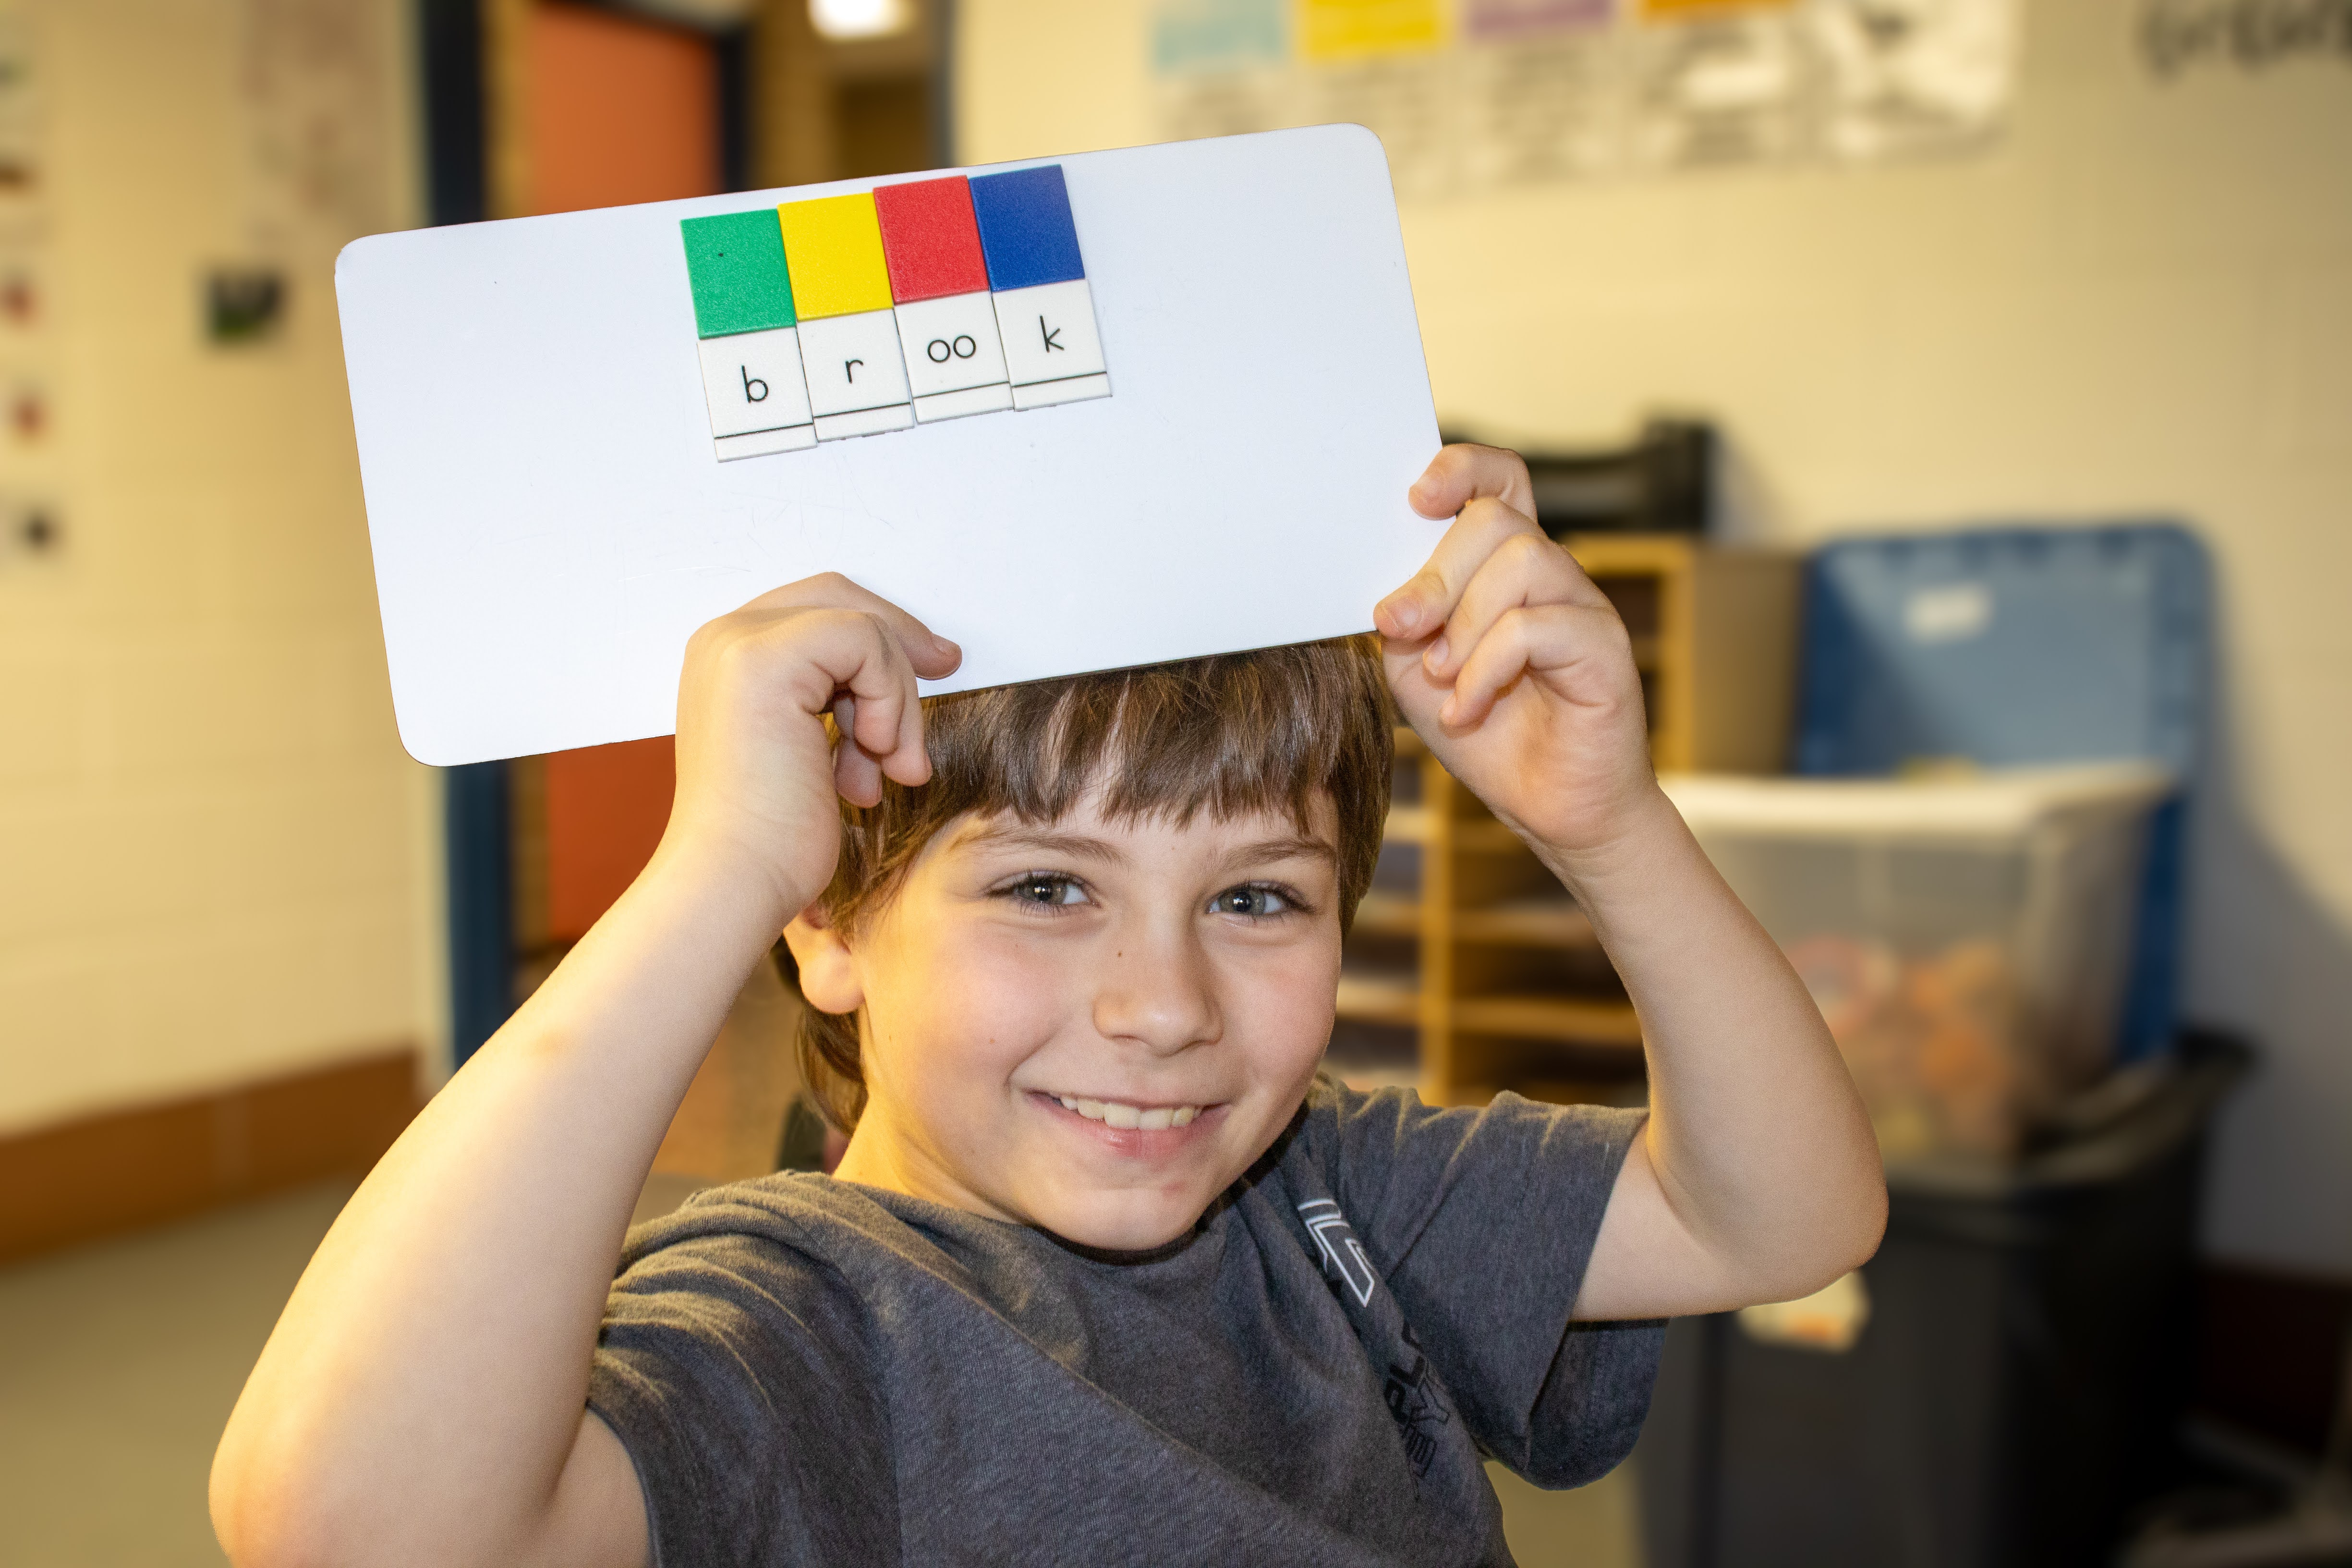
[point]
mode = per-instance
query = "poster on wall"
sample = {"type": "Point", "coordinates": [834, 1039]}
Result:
{"type": "Point", "coordinates": [1383, 65]}
{"type": "Point", "coordinates": [1716, 84]}
{"type": "Point", "coordinates": [1473, 94]}
{"type": "Point", "coordinates": [1913, 75]}
{"type": "Point", "coordinates": [314, 86]}
{"type": "Point", "coordinates": [1541, 90]}
{"type": "Point", "coordinates": [1222, 67]}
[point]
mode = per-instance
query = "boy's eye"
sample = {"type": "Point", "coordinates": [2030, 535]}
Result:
{"type": "Point", "coordinates": [1254, 901]}
{"type": "Point", "coordinates": [1046, 890]}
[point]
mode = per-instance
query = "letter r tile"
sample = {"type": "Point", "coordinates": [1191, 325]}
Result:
{"type": "Point", "coordinates": [854, 365]}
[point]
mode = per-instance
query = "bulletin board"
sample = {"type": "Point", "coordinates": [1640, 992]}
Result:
{"type": "Point", "coordinates": [1468, 94]}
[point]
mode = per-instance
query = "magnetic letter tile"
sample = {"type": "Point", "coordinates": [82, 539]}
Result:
{"type": "Point", "coordinates": [833, 247]}
{"type": "Point", "coordinates": [930, 238]}
{"type": "Point", "coordinates": [736, 263]}
{"type": "Point", "coordinates": [752, 380]}
{"type": "Point", "coordinates": [854, 367]}
{"type": "Point", "coordinates": [951, 344]}
{"type": "Point", "coordinates": [1025, 228]}
{"type": "Point", "coordinates": [1050, 337]}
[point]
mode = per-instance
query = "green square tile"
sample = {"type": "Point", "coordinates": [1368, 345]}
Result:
{"type": "Point", "coordinates": [737, 262]}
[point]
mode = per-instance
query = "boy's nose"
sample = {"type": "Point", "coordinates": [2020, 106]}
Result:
{"type": "Point", "coordinates": [1155, 988]}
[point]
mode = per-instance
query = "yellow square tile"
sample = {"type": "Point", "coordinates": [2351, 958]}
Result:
{"type": "Point", "coordinates": [833, 247]}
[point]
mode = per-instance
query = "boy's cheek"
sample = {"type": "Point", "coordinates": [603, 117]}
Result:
{"type": "Point", "coordinates": [1001, 1000]}
{"type": "Point", "coordinates": [982, 1002]}
{"type": "Point", "coordinates": [1293, 994]}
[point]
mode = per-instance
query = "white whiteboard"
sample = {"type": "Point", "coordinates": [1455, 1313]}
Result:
{"type": "Point", "coordinates": [549, 523]}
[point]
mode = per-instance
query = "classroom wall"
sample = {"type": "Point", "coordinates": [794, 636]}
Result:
{"type": "Point", "coordinates": [2140, 300]}
{"type": "Point", "coordinates": [215, 863]}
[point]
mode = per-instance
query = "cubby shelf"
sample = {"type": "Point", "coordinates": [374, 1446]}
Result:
{"type": "Point", "coordinates": [1370, 999]}
{"type": "Point", "coordinates": [1388, 914]}
{"type": "Point", "coordinates": [1505, 986]}
{"type": "Point", "coordinates": [1413, 825]}
{"type": "Point", "coordinates": [1551, 923]}
{"type": "Point", "coordinates": [1575, 1020]}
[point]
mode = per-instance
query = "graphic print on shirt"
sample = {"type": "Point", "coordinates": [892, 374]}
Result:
{"type": "Point", "coordinates": [1413, 1399]}
{"type": "Point", "coordinates": [1412, 1391]}
{"type": "Point", "coordinates": [1343, 1255]}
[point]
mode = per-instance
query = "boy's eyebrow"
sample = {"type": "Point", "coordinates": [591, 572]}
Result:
{"type": "Point", "coordinates": [1081, 846]}
{"type": "Point", "coordinates": [1291, 848]}
{"type": "Point", "coordinates": [1076, 844]}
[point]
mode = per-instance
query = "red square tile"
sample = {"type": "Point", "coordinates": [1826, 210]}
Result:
{"type": "Point", "coordinates": [930, 239]}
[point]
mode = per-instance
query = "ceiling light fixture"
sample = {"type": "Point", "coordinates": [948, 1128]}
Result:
{"type": "Point", "coordinates": [847, 19]}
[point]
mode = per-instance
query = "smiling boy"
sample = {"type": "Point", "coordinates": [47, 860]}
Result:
{"type": "Point", "coordinates": [1106, 1273]}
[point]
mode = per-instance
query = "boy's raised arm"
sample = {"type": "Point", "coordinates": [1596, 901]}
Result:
{"type": "Point", "coordinates": [1757, 1178]}
{"type": "Point", "coordinates": [423, 1398]}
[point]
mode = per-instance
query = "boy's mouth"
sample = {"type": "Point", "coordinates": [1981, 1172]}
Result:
{"type": "Point", "coordinates": [1130, 1117]}
{"type": "Point", "coordinates": [1132, 1132]}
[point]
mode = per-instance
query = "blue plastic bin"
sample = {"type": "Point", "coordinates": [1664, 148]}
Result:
{"type": "Point", "coordinates": [2016, 645]}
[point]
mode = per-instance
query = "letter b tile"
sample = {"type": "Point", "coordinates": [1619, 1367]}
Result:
{"type": "Point", "coordinates": [753, 383]}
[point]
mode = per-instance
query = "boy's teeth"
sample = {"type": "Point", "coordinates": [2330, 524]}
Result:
{"type": "Point", "coordinates": [1112, 1113]}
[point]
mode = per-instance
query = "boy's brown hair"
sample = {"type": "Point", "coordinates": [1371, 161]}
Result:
{"type": "Point", "coordinates": [1231, 734]}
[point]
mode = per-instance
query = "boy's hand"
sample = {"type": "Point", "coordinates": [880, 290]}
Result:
{"type": "Point", "coordinates": [1514, 668]}
{"type": "Point", "coordinates": [756, 771]}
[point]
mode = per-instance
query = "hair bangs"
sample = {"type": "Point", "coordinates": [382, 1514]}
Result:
{"type": "Point", "coordinates": [1233, 734]}
{"type": "Point", "coordinates": [1168, 743]}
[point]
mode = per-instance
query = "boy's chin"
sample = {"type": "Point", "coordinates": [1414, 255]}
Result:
{"type": "Point", "coordinates": [1122, 1221]}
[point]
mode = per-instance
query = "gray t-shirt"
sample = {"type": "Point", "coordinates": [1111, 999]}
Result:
{"type": "Point", "coordinates": [808, 1371]}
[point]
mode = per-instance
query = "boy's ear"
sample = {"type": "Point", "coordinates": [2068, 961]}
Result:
{"type": "Point", "coordinates": [828, 977]}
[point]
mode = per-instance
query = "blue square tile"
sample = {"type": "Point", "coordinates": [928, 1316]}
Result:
{"type": "Point", "coordinates": [1025, 229]}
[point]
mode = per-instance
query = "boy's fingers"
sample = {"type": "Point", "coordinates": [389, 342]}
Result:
{"type": "Point", "coordinates": [1547, 639]}
{"type": "Point", "coordinates": [933, 656]}
{"type": "Point", "coordinates": [1464, 472]}
{"type": "Point", "coordinates": [1525, 569]}
{"type": "Point", "coordinates": [1419, 607]}
{"type": "Point", "coordinates": [852, 663]}
{"type": "Point", "coordinates": [878, 680]}
{"type": "Point", "coordinates": [886, 722]}
{"type": "Point", "coordinates": [855, 774]}
{"type": "Point", "coordinates": [910, 762]}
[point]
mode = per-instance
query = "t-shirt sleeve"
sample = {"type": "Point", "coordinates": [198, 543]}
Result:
{"type": "Point", "coordinates": [732, 1370]}
{"type": "Point", "coordinates": [1482, 1221]}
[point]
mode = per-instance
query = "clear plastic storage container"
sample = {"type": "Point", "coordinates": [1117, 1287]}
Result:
{"type": "Point", "coordinates": [1968, 939]}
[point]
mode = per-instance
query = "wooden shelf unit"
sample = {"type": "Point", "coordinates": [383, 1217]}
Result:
{"type": "Point", "coordinates": [1505, 985]}
{"type": "Point", "coordinates": [1715, 636]}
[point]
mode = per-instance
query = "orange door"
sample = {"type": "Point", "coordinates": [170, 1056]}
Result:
{"type": "Point", "coordinates": [617, 110]}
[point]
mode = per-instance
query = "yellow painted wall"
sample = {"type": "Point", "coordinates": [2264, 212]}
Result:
{"type": "Point", "coordinates": [215, 863]}
{"type": "Point", "coordinates": [2141, 301]}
